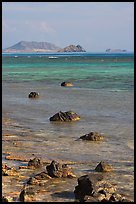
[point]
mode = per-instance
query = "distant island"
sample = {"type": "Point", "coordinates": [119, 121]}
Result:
{"type": "Point", "coordinates": [26, 46]}
{"type": "Point", "coordinates": [115, 50]}
{"type": "Point", "coordinates": [72, 48]}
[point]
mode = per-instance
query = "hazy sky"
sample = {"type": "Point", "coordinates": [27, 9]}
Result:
{"type": "Point", "coordinates": [96, 26]}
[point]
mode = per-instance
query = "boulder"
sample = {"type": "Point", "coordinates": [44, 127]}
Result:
{"type": "Point", "coordinates": [93, 185]}
{"type": "Point", "coordinates": [93, 188]}
{"type": "Point", "coordinates": [66, 84]}
{"type": "Point", "coordinates": [92, 136]}
{"type": "Point", "coordinates": [103, 167]}
{"type": "Point", "coordinates": [65, 116]}
{"type": "Point", "coordinates": [59, 170]}
{"type": "Point", "coordinates": [33, 94]}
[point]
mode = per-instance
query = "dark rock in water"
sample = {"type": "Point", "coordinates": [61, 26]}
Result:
{"type": "Point", "coordinates": [34, 163]}
{"type": "Point", "coordinates": [33, 94]}
{"type": "Point", "coordinates": [54, 169]}
{"type": "Point", "coordinates": [66, 84]}
{"type": "Point", "coordinates": [86, 186]}
{"type": "Point", "coordinates": [59, 170]}
{"type": "Point", "coordinates": [92, 136]}
{"type": "Point", "coordinates": [65, 116]}
{"type": "Point", "coordinates": [94, 188]}
{"type": "Point", "coordinates": [103, 167]}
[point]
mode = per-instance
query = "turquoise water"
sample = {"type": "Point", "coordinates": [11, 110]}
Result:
{"type": "Point", "coordinates": [102, 95]}
{"type": "Point", "coordinates": [85, 71]}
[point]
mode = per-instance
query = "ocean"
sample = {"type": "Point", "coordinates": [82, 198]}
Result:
{"type": "Point", "coordinates": [102, 95]}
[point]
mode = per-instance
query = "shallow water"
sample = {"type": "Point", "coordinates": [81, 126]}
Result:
{"type": "Point", "coordinates": [105, 105]}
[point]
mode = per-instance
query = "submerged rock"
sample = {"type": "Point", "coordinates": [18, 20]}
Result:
{"type": "Point", "coordinates": [103, 167]}
{"type": "Point", "coordinates": [33, 94]}
{"type": "Point", "coordinates": [65, 116]}
{"type": "Point", "coordinates": [92, 136]}
{"type": "Point", "coordinates": [66, 83]}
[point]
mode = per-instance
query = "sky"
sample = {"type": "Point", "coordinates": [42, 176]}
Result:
{"type": "Point", "coordinates": [96, 26]}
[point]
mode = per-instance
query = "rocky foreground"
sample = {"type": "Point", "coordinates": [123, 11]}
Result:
{"type": "Point", "coordinates": [29, 178]}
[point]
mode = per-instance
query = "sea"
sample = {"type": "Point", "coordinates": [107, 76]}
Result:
{"type": "Point", "coordinates": [102, 95]}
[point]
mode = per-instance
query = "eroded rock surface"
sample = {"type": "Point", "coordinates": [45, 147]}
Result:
{"type": "Point", "coordinates": [93, 188]}
{"type": "Point", "coordinates": [65, 116]}
{"type": "Point", "coordinates": [92, 136]}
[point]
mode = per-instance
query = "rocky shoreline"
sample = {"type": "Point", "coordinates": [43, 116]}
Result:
{"type": "Point", "coordinates": [31, 178]}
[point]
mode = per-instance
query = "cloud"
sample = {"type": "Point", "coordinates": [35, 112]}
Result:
{"type": "Point", "coordinates": [27, 25]}
{"type": "Point", "coordinates": [87, 23]}
{"type": "Point", "coordinates": [44, 27]}
{"type": "Point", "coordinates": [8, 26]}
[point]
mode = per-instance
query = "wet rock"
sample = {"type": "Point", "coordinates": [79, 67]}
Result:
{"type": "Point", "coordinates": [103, 167]}
{"type": "Point", "coordinates": [66, 84]}
{"type": "Point", "coordinates": [93, 185]}
{"type": "Point", "coordinates": [33, 94]}
{"type": "Point", "coordinates": [9, 171]}
{"type": "Point", "coordinates": [116, 197]}
{"type": "Point", "coordinates": [43, 176]}
{"type": "Point", "coordinates": [35, 163]}
{"type": "Point", "coordinates": [92, 136]}
{"type": "Point", "coordinates": [65, 116]}
{"type": "Point", "coordinates": [59, 170]}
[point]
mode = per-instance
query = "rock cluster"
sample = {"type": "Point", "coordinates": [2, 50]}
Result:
{"type": "Point", "coordinates": [54, 170]}
{"type": "Point", "coordinates": [93, 188]}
